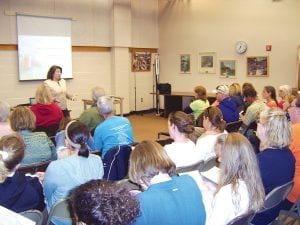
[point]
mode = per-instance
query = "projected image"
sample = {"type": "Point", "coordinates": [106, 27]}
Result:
{"type": "Point", "coordinates": [38, 53]}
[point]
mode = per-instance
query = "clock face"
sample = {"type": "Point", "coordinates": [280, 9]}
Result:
{"type": "Point", "coordinates": [241, 47]}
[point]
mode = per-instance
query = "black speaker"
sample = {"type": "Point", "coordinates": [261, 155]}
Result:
{"type": "Point", "coordinates": [164, 88]}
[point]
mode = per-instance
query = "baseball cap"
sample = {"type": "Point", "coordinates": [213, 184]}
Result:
{"type": "Point", "coordinates": [223, 89]}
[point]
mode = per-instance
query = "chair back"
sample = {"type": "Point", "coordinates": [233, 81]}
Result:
{"type": "Point", "coordinates": [33, 215]}
{"type": "Point", "coordinates": [233, 126]}
{"type": "Point", "coordinates": [116, 162]}
{"type": "Point", "coordinates": [60, 210]}
{"type": "Point", "coordinates": [208, 164]}
{"type": "Point", "coordinates": [196, 166]}
{"type": "Point", "coordinates": [35, 167]}
{"type": "Point", "coordinates": [49, 130]}
{"type": "Point", "coordinates": [277, 195]}
{"type": "Point", "coordinates": [243, 219]}
{"type": "Point", "coordinates": [290, 217]}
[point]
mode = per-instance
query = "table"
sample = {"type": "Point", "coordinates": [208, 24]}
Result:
{"type": "Point", "coordinates": [177, 101]}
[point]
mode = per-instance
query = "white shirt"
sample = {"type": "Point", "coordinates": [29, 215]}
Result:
{"type": "Point", "coordinates": [182, 153]}
{"type": "Point", "coordinates": [205, 145]}
{"type": "Point", "coordinates": [222, 209]}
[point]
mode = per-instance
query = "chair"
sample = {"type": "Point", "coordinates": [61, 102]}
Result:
{"type": "Point", "coordinates": [233, 126]}
{"type": "Point", "coordinates": [243, 219]}
{"type": "Point", "coordinates": [33, 215]}
{"type": "Point", "coordinates": [49, 130]}
{"type": "Point", "coordinates": [35, 167]}
{"type": "Point", "coordinates": [208, 164]}
{"type": "Point", "coordinates": [60, 210]}
{"type": "Point", "coordinates": [289, 217]}
{"type": "Point", "coordinates": [116, 162]}
{"type": "Point", "coordinates": [196, 166]}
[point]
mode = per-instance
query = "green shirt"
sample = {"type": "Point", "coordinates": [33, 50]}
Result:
{"type": "Point", "coordinates": [91, 117]}
{"type": "Point", "coordinates": [198, 106]}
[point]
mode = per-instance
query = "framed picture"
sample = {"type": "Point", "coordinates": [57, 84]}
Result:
{"type": "Point", "coordinates": [227, 68]}
{"type": "Point", "coordinates": [258, 66]}
{"type": "Point", "coordinates": [185, 63]}
{"type": "Point", "coordinates": [207, 62]}
{"type": "Point", "coordinates": [141, 61]}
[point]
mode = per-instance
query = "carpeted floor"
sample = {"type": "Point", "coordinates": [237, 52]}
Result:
{"type": "Point", "coordinates": [146, 126]}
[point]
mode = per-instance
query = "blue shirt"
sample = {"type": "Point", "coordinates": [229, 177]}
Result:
{"type": "Point", "coordinates": [174, 202]}
{"type": "Point", "coordinates": [113, 131]}
{"type": "Point", "coordinates": [229, 110]}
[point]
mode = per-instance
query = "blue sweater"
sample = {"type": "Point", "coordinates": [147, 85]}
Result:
{"type": "Point", "coordinates": [229, 110]}
{"type": "Point", "coordinates": [174, 202]}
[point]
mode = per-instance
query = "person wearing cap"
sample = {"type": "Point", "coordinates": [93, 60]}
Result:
{"type": "Point", "coordinates": [91, 116]}
{"type": "Point", "coordinates": [226, 104]}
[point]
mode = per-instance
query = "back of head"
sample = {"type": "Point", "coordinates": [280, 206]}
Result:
{"type": "Point", "coordinates": [286, 89]}
{"type": "Point", "coordinates": [250, 92]}
{"type": "Point", "coordinates": [147, 160]}
{"type": "Point", "coordinates": [52, 70]}
{"type": "Point", "coordinates": [277, 128]}
{"type": "Point", "coordinates": [239, 163]}
{"type": "Point", "coordinates": [201, 92]}
{"type": "Point", "coordinates": [272, 91]}
{"type": "Point", "coordinates": [97, 92]}
{"type": "Point", "coordinates": [103, 202]}
{"type": "Point", "coordinates": [77, 135]}
{"type": "Point", "coordinates": [12, 149]}
{"type": "Point", "coordinates": [43, 95]}
{"type": "Point", "coordinates": [105, 105]}
{"type": "Point", "coordinates": [22, 118]}
{"type": "Point", "coordinates": [4, 111]}
{"type": "Point", "coordinates": [235, 89]}
{"type": "Point", "coordinates": [215, 116]}
{"type": "Point", "coordinates": [183, 122]}
{"type": "Point", "coordinates": [247, 85]}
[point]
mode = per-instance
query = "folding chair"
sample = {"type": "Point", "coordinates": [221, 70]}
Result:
{"type": "Point", "coordinates": [243, 219]}
{"type": "Point", "coordinates": [290, 217]}
{"type": "Point", "coordinates": [60, 210]}
{"type": "Point", "coordinates": [33, 215]}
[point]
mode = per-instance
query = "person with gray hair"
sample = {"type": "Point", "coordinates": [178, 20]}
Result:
{"type": "Point", "coordinates": [4, 114]}
{"type": "Point", "coordinates": [114, 130]}
{"type": "Point", "coordinates": [91, 116]}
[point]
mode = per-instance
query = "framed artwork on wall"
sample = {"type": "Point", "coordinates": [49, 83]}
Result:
{"type": "Point", "coordinates": [258, 66]}
{"type": "Point", "coordinates": [185, 63]}
{"type": "Point", "coordinates": [227, 68]}
{"type": "Point", "coordinates": [207, 62]}
{"type": "Point", "coordinates": [141, 61]}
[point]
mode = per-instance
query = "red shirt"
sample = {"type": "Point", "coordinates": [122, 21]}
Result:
{"type": "Point", "coordinates": [46, 114]}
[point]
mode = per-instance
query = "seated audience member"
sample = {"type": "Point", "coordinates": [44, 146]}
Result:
{"type": "Point", "coordinates": [91, 116]}
{"type": "Point", "coordinates": [114, 130]}
{"type": "Point", "coordinates": [245, 86]}
{"type": "Point", "coordinates": [103, 202]}
{"type": "Point", "coordinates": [4, 114]}
{"type": "Point", "coordinates": [199, 104]}
{"type": "Point", "coordinates": [269, 94]}
{"type": "Point", "coordinates": [235, 93]}
{"type": "Point", "coordinates": [39, 147]}
{"type": "Point", "coordinates": [79, 167]}
{"type": "Point", "coordinates": [285, 93]}
{"type": "Point", "coordinates": [214, 126]}
{"type": "Point", "coordinates": [255, 107]}
{"type": "Point", "coordinates": [167, 199]}
{"type": "Point", "coordinates": [294, 110]}
{"type": "Point", "coordinates": [18, 192]}
{"type": "Point", "coordinates": [182, 151]}
{"type": "Point", "coordinates": [47, 113]}
{"type": "Point", "coordinates": [276, 161]}
{"type": "Point", "coordinates": [240, 187]}
{"type": "Point", "coordinates": [226, 104]}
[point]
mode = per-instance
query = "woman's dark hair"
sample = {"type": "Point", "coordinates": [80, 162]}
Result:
{"type": "Point", "coordinates": [272, 91]}
{"type": "Point", "coordinates": [103, 202]}
{"type": "Point", "coordinates": [215, 116]}
{"type": "Point", "coordinates": [183, 122]}
{"type": "Point", "coordinates": [77, 134]}
{"type": "Point", "coordinates": [52, 70]}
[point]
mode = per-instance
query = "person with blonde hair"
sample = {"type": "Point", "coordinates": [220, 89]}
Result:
{"type": "Point", "coordinates": [47, 113]}
{"type": "Point", "coordinates": [167, 199]}
{"type": "Point", "coordinates": [285, 93]}
{"type": "Point", "coordinates": [240, 187]}
{"type": "Point", "coordinates": [276, 161]}
{"type": "Point", "coordinates": [18, 192]}
{"type": "Point", "coordinates": [235, 93]}
{"type": "Point", "coordinates": [4, 114]}
{"type": "Point", "coordinates": [214, 125]}
{"type": "Point", "coordinates": [199, 104]}
{"type": "Point", "coordinates": [78, 167]}
{"type": "Point", "coordinates": [91, 116]}
{"type": "Point", "coordinates": [39, 147]}
{"type": "Point", "coordinates": [182, 151]}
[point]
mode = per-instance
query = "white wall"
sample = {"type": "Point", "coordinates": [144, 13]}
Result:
{"type": "Point", "coordinates": [194, 26]}
{"type": "Point", "coordinates": [94, 23]}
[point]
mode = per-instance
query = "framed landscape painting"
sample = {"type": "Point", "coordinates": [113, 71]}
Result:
{"type": "Point", "coordinates": [207, 62]}
{"type": "Point", "coordinates": [227, 68]}
{"type": "Point", "coordinates": [258, 66]}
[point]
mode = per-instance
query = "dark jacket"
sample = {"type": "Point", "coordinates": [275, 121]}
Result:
{"type": "Point", "coordinates": [229, 110]}
{"type": "Point", "coordinates": [20, 193]}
